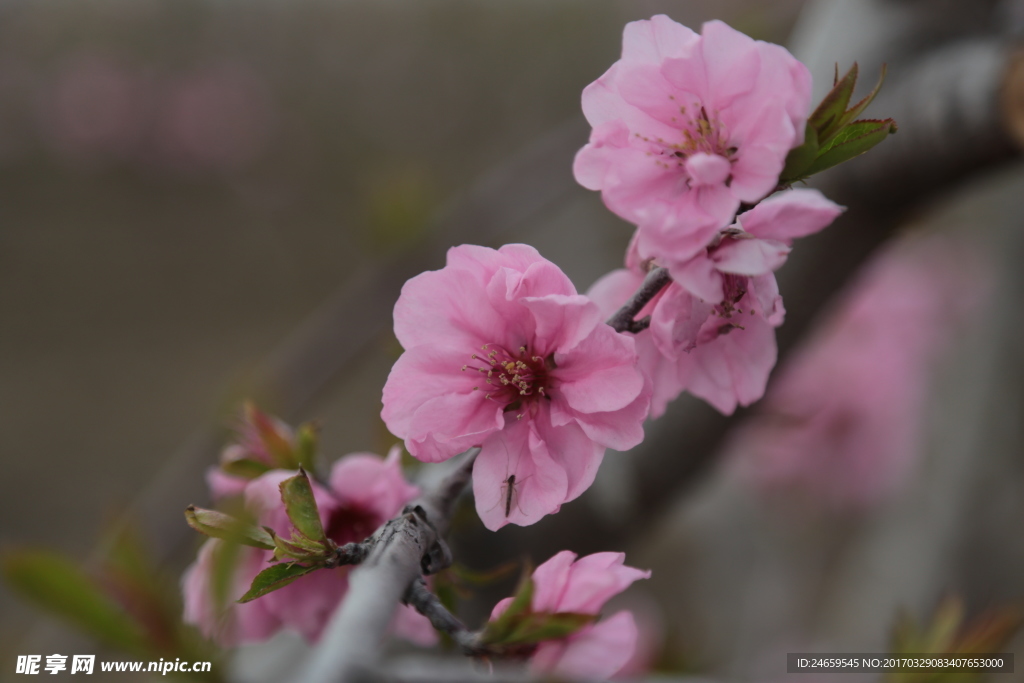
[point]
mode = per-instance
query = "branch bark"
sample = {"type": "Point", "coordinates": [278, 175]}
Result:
{"type": "Point", "coordinates": [426, 603]}
{"type": "Point", "coordinates": [401, 551]}
{"type": "Point", "coordinates": [624, 320]}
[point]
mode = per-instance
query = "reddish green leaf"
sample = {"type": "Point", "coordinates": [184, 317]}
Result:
{"type": "Point", "coordinates": [279, 447]}
{"type": "Point", "coordinates": [245, 468]}
{"type": "Point", "coordinates": [854, 140]}
{"type": "Point", "coordinates": [275, 577]}
{"type": "Point", "coordinates": [800, 158]}
{"type": "Point", "coordinates": [540, 626]}
{"type": "Point", "coordinates": [856, 110]}
{"type": "Point", "coordinates": [498, 630]}
{"type": "Point", "coordinates": [307, 446]}
{"type": "Point", "coordinates": [827, 118]}
{"type": "Point", "coordinates": [220, 525]}
{"type": "Point", "coordinates": [299, 503]}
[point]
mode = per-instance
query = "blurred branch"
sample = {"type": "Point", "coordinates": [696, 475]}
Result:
{"type": "Point", "coordinates": [402, 549]}
{"type": "Point", "coordinates": [624, 319]}
{"type": "Point", "coordinates": [429, 605]}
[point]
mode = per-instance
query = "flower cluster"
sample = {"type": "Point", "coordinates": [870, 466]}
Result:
{"type": "Point", "coordinates": [566, 585]}
{"type": "Point", "coordinates": [363, 492]}
{"type": "Point", "coordinates": [686, 128]}
{"type": "Point", "coordinates": [696, 140]}
{"type": "Point", "coordinates": [502, 353]}
{"type": "Point", "coordinates": [712, 330]}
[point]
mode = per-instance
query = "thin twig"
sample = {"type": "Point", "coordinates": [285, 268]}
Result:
{"type": "Point", "coordinates": [429, 605]}
{"type": "Point", "coordinates": [624, 319]}
{"type": "Point", "coordinates": [401, 550]}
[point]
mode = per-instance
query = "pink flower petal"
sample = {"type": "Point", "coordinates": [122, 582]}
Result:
{"type": "Point", "coordinates": [540, 483]}
{"type": "Point", "coordinates": [551, 581]}
{"type": "Point", "coordinates": [733, 369]}
{"type": "Point", "coordinates": [597, 652]}
{"type": "Point", "coordinates": [749, 256]}
{"type": "Point", "coordinates": [599, 374]}
{"type": "Point", "coordinates": [450, 424]}
{"type": "Point", "coordinates": [366, 482]}
{"type": "Point", "coordinates": [788, 215]}
{"type": "Point", "coordinates": [425, 373]}
{"type": "Point", "coordinates": [596, 579]}
{"type": "Point", "coordinates": [656, 39]}
{"type": "Point", "coordinates": [700, 278]}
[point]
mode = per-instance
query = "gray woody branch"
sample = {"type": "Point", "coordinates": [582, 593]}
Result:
{"type": "Point", "coordinates": [624, 320]}
{"type": "Point", "coordinates": [401, 551]}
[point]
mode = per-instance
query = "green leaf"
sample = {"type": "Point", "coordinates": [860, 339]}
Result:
{"type": "Point", "coordinates": [245, 468]}
{"type": "Point", "coordinates": [498, 630]}
{"type": "Point", "coordinates": [800, 158]}
{"type": "Point", "coordinates": [541, 626]}
{"type": "Point", "coordinates": [224, 560]}
{"type": "Point", "coordinates": [306, 450]}
{"type": "Point", "coordinates": [220, 525]}
{"type": "Point", "coordinates": [485, 577]}
{"type": "Point", "coordinates": [855, 111]}
{"type": "Point", "coordinates": [854, 140]}
{"type": "Point", "coordinates": [274, 577]}
{"type": "Point", "coordinates": [827, 118]}
{"type": "Point", "coordinates": [298, 547]}
{"type": "Point", "coordinates": [60, 587]}
{"type": "Point", "coordinates": [299, 503]}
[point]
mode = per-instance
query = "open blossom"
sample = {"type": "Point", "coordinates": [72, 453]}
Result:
{"type": "Point", "coordinates": [753, 247]}
{"type": "Point", "coordinates": [842, 422]}
{"type": "Point", "coordinates": [364, 492]}
{"type": "Point", "coordinates": [564, 584]}
{"type": "Point", "coordinates": [502, 353]}
{"type": "Point", "coordinates": [688, 126]}
{"type": "Point", "coordinates": [712, 329]}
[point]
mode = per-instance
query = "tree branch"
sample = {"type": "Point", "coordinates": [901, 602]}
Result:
{"type": "Point", "coordinates": [428, 604]}
{"type": "Point", "coordinates": [624, 319]}
{"type": "Point", "coordinates": [400, 551]}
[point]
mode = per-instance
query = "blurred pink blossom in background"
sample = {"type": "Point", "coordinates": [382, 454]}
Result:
{"type": "Point", "coordinates": [843, 422]}
{"type": "Point", "coordinates": [96, 108]}
{"type": "Point", "coordinates": [218, 118]}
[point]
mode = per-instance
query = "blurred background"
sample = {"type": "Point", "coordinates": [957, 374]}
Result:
{"type": "Point", "coordinates": [202, 202]}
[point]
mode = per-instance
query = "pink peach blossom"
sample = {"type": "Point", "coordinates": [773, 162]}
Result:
{"type": "Point", "coordinates": [842, 423]}
{"type": "Point", "coordinates": [364, 492]}
{"type": "Point", "coordinates": [712, 329]}
{"type": "Point", "coordinates": [688, 126]}
{"type": "Point", "coordinates": [502, 353]}
{"type": "Point", "coordinates": [564, 584]}
{"type": "Point", "coordinates": [722, 354]}
{"type": "Point", "coordinates": [757, 244]}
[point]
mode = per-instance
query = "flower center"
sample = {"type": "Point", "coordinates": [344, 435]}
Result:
{"type": "Point", "coordinates": [703, 153]}
{"type": "Point", "coordinates": [735, 287]}
{"type": "Point", "coordinates": [511, 377]}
